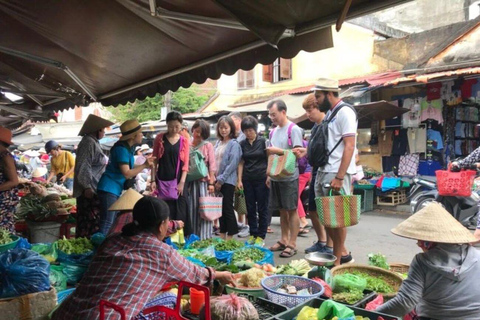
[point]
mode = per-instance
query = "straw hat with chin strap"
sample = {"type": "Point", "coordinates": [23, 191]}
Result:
{"type": "Point", "coordinates": [434, 224]}
{"type": "Point", "coordinates": [93, 124]}
{"type": "Point", "coordinates": [127, 201]}
{"type": "Point", "coordinates": [129, 129]}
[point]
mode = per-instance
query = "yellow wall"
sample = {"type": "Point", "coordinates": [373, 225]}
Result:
{"type": "Point", "coordinates": [350, 57]}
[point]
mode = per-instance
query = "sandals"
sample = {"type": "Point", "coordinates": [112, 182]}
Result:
{"type": "Point", "coordinates": [278, 247]}
{"type": "Point", "coordinates": [288, 252]}
{"type": "Point", "coordinates": [269, 230]}
{"type": "Point", "coordinates": [303, 231]}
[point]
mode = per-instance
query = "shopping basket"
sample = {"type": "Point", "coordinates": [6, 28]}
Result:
{"type": "Point", "coordinates": [169, 314]}
{"type": "Point", "coordinates": [455, 184]}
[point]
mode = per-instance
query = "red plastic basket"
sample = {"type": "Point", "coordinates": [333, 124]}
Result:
{"type": "Point", "coordinates": [455, 184]}
{"type": "Point", "coordinates": [170, 314]}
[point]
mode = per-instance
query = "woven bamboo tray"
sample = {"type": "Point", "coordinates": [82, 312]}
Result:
{"type": "Point", "coordinates": [391, 278]}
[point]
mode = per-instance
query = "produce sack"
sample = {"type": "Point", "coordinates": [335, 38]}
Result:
{"type": "Point", "coordinates": [232, 307]}
{"type": "Point", "coordinates": [57, 279]}
{"type": "Point", "coordinates": [330, 309]}
{"type": "Point", "coordinates": [348, 282]}
{"type": "Point", "coordinates": [23, 271]}
{"type": "Point", "coordinates": [73, 272]}
{"type": "Point", "coordinates": [23, 244]}
{"type": "Point", "coordinates": [47, 250]}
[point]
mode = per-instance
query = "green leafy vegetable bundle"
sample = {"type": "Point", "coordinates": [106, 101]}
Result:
{"type": "Point", "coordinates": [75, 246]}
{"type": "Point", "coordinates": [248, 254]}
{"type": "Point", "coordinates": [378, 260]}
{"type": "Point", "coordinates": [376, 284]}
{"type": "Point", "coordinates": [202, 244]}
{"type": "Point", "coordinates": [349, 297]}
{"type": "Point", "coordinates": [229, 245]}
{"type": "Point", "coordinates": [5, 236]}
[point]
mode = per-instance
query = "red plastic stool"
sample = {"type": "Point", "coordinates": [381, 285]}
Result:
{"type": "Point", "coordinates": [65, 230]}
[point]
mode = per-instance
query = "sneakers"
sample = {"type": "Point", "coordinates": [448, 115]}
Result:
{"type": "Point", "coordinates": [251, 240]}
{"type": "Point", "coordinates": [255, 241]}
{"type": "Point", "coordinates": [244, 232]}
{"type": "Point", "coordinates": [347, 259]}
{"type": "Point", "coordinates": [317, 247]}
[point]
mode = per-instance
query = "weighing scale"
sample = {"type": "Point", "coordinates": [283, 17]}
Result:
{"type": "Point", "coordinates": [322, 261]}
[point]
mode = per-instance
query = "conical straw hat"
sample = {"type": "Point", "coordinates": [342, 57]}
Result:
{"type": "Point", "coordinates": [434, 224]}
{"type": "Point", "coordinates": [127, 201]}
{"type": "Point", "coordinates": [94, 123]}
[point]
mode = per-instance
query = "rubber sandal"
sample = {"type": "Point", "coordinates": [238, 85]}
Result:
{"type": "Point", "coordinates": [303, 232]}
{"type": "Point", "coordinates": [277, 247]}
{"type": "Point", "coordinates": [269, 230]}
{"type": "Point", "coordinates": [288, 254]}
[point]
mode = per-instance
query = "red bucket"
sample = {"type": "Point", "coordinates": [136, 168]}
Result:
{"type": "Point", "coordinates": [455, 184]}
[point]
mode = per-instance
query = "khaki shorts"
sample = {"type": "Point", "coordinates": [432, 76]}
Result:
{"type": "Point", "coordinates": [326, 178]}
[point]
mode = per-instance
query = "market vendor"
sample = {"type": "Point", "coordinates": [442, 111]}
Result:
{"type": "Point", "coordinates": [63, 164]}
{"type": "Point", "coordinates": [8, 182]}
{"type": "Point", "coordinates": [444, 281]}
{"type": "Point", "coordinates": [89, 167]}
{"type": "Point", "coordinates": [129, 269]}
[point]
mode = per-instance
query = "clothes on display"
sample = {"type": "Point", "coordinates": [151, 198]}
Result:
{"type": "Point", "coordinates": [436, 138]}
{"type": "Point", "coordinates": [417, 140]}
{"type": "Point", "coordinates": [408, 165]}
{"type": "Point", "coordinates": [428, 167]}
{"type": "Point", "coordinates": [385, 143]}
{"type": "Point", "coordinates": [432, 110]}
{"type": "Point", "coordinates": [411, 119]}
{"type": "Point", "coordinates": [400, 142]}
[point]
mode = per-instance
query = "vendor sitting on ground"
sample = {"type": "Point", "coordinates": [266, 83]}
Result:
{"type": "Point", "coordinates": [129, 269]}
{"type": "Point", "coordinates": [444, 281]}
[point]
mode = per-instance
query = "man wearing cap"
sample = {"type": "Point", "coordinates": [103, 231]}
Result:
{"type": "Point", "coordinates": [337, 173]}
{"type": "Point", "coordinates": [444, 281]}
{"type": "Point", "coordinates": [89, 167]}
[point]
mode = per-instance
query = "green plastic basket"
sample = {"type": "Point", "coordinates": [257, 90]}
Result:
{"type": "Point", "coordinates": [10, 245]}
{"type": "Point", "coordinates": [364, 186]}
{"type": "Point", "coordinates": [259, 293]}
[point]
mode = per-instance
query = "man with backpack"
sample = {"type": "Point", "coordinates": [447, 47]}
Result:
{"type": "Point", "coordinates": [331, 149]}
{"type": "Point", "coordinates": [284, 190]}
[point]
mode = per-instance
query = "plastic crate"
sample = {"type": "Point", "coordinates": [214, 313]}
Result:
{"type": "Point", "coordinates": [273, 283]}
{"type": "Point", "coordinates": [368, 295]}
{"type": "Point", "coordinates": [316, 303]}
{"type": "Point", "coordinates": [267, 310]}
{"type": "Point", "coordinates": [367, 196]}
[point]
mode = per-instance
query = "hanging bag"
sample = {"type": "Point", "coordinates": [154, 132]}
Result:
{"type": "Point", "coordinates": [240, 205]}
{"type": "Point", "coordinates": [338, 211]}
{"type": "Point", "coordinates": [281, 166]}
{"type": "Point", "coordinates": [168, 190]}
{"type": "Point", "coordinates": [210, 207]}
{"type": "Point", "coordinates": [197, 169]}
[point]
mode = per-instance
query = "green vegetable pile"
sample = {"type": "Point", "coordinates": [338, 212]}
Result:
{"type": "Point", "coordinates": [208, 260]}
{"type": "Point", "coordinates": [229, 245]}
{"type": "Point", "coordinates": [5, 236]}
{"type": "Point", "coordinates": [376, 284]}
{"type": "Point", "coordinates": [295, 267]}
{"type": "Point", "coordinates": [378, 260]}
{"type": "Point", "coordinates": [349, 297]}
{"type": "Point", "coordinates": [202, 244]}
{"type": "Point", "coordinates": [75, 246]}
{"type": "Point", "coordinates": [248, 254]}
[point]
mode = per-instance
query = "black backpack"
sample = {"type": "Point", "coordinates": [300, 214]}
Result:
{"type": "Point", "coordinates": [317, 152]}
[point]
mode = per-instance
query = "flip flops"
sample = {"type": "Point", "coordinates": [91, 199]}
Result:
{"type": "Point", "coordinates": [269, 230]}
{"type": "Point", "coordinates": [303, 231]}
{"type": "Point", "coordinates": [278, 247]}
{"type": "Point", "coordinates": [288, 252]}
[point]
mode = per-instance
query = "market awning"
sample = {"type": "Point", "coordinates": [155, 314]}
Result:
{"type": "Point", "coordinates": [57, 54]}
{"type": "Point", "coordinates": [375, 111]}
{"type": "Point", "coordinates": [416, 79]}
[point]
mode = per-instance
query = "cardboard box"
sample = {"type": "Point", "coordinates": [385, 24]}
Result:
{"type": "Point", "coordinates": [32, 306]}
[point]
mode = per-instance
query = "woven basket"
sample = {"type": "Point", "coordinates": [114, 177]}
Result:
{"type": "Point", "coordinates": [399, 267]}
{"type": "Point", "coordinates": [391, 278]}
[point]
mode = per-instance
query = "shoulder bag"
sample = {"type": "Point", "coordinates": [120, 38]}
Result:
{"type": "Point", "coordinates": [197, 169]}
{"type": "Point", "coordinates": [168, 190]}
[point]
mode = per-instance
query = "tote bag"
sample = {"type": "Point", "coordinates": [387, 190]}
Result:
{"type": "Point", "coordinates": [210, 207]}
{"type": "Point", "coordinates": [281, 166]}
{"type": "Point", "coordinates": [197, 169]}
{"type": "Point", "coordinates": [338, 211]}
{"type": "Point", "coordinates": [240, 205]}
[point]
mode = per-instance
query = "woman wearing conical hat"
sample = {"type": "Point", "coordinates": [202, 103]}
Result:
{"type": "Point", "coordinates": [444, 280]}
{"type": "Point", "coordinates": [89, 167]}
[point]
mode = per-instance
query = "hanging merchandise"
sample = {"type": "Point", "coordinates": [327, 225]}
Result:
{"type": "Point", "coordinates": [466, 88]}
{"type": "Point", "coordinates": [432, 110]}
{"type": "Point", "coordinates": [411, 119]}
{"type": "Point", "coordinates": [408, 165]}
{"type": "Point", "coordinates": [434, 91]}
{"type": "Point", "coordinates": [417, 140]}
{"type": "Point", "coordinates": [428, 167]}
{"type": "Point", "coordinates": [400, 142]}
{"type": "Point", "coordinates": [436, 138]}
{"type": "Point", "coordinates": [385, 143]}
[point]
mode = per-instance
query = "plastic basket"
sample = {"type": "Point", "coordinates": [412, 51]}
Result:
{"type": "Point", "coordinates": [455, 184]}
{"type": "Point", "coordinates": [399, 267]}
{"type": "Point", "coordinates": [273, 283]}
{"type": "Point", "coordinates": [10, 245]}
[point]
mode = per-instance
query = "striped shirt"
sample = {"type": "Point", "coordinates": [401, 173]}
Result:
{"type": "Point", "coordinates": [128, 271]}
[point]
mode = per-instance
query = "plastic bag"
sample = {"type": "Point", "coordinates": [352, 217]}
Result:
{"type": "Point", "coordinates": [307, 313]}
{"type": "Point", "coordinates": [330, 309]}
{"type": "Point", "coordinates": [190, 239]}
{"type": "Point", "coordinates": [73, 272]}
{"type": "Point", "coordinates": [232, 307]}
{"type": "Point", "coordinates": [375, 303]}
{"type": "Point", "coordinates": [97, 239]}
{"type": "Point", "coordinates": [170, 243]}
{"type": "Point", "coordinates": [268, 258]}
{"type": "Point", "coordinates": [328, 290]}
{"type": "Point", "coordinates": [178, 237]}
{"type": "Point", "coordinates": [348, 282]}
{"type": "Point", "coordinates": [23, 244]}
{"type": "Point", "coordinates": [23, 271]}
{"type": "Point", "coordinates": [224, 256]}
{"type": "Point", "coordinates": [58, 280]}
{"type": "Point", "coordinates": [83, 259]}
{"type": "Point", "coordinates": [47, 250]}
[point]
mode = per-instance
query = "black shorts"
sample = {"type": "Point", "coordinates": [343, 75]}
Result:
{"type": "Point", "coordinates": [312, 206]}
{"type": "Point", "coordinates": [283, 195]}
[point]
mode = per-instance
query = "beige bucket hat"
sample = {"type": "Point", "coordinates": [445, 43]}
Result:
{"type": "Point", "coordinates": [129, 129]}
{"type": "Point", "coordinates": [434, 224]}
{"type": "Point", "coordinates": [94, 123]}
{"type": "Point", "coordinates": [127, 201]}
{"type": "Point", "coordinates": [325, 84]}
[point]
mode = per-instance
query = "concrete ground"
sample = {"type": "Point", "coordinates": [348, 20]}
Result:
{"type": "Point", "coordinates": [371, 235]}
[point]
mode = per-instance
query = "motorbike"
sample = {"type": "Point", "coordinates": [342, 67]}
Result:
{"type": "Point", "coordinates": [463, 209]}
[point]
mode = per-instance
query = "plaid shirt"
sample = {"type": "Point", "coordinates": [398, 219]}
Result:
{"type": "Point", "coordinates": [128, 271]}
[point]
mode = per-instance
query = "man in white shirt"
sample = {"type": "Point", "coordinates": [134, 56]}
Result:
{"type": "Point", "coordinates": [341, 163]}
